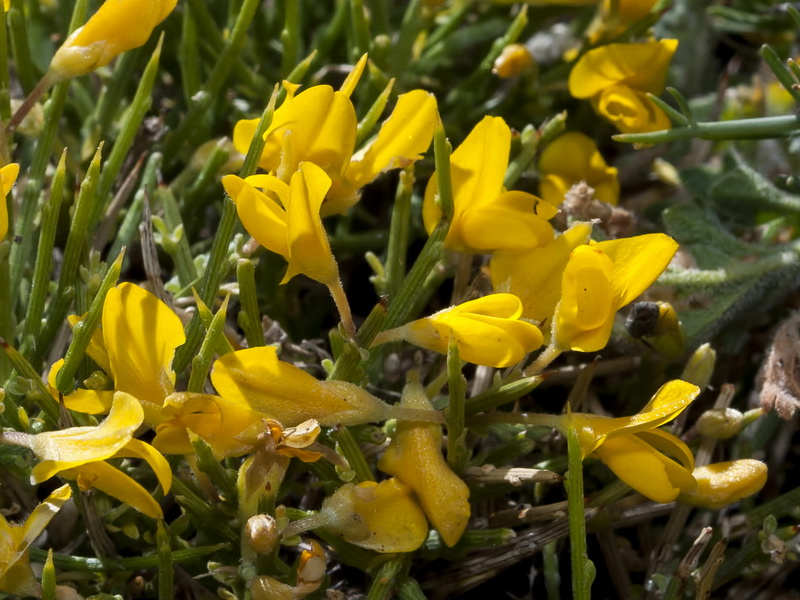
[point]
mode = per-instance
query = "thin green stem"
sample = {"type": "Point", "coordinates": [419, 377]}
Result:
{"type": "Point", "coordinates": [783, 75]}
{"type": "Point", "coordinates": [386, 579]}
{"type": "Point", "coordinates": [760, 128]}
{"type": "Point", "coordinates": [101, 565]}
{"type": "Point", "coordinates": [166, 571]}
{"type": "Point", "coordinates": [249, 318]}
{"type": "Point", "coordinates": [349, 448]}
{"type": "Point", "coordinates": [583, 570]}
{"type": "Point", "coordinates": [457, 451]}
{"type": "Point", "coordinates": [202, 362]}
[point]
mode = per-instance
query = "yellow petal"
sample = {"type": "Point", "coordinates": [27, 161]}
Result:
{"type": "Point", "coordinates": [102, 476]}
{"type": "Point", "coordinates": [309, 250]}
{"type": "Point", "coordinates": [8, 175]}
{"type": "Point", "coordinates": [477, 168]}
{"type": "Point", "coordinates": [141, 334]}
{"type": "Point", "coordinates": [290, 395]}
{"type": "Point", "coordinates": [646, 470]}
{"type": "Point", "coordinates": [138, 449]}
{"type": "Point", "coordinates": [630, 110]}
{"type": "Point", "coordinates": [638, 261]}
{"type": "Point", "coordinates": [489, 228]}
{"type": "Point", "coordinates": [585, 314]}
{"type": "Point", "coordinates": [639, 66]}
{"type": "Point", "coordinates": [486, 331]}
{"type": "Point", "coordinates": [667, 403]}
{"type": "Point", "coordinates": [70, 447]}
{"type": "Point", "coordinates": [40, 517]}
{"type": "Point", "coordinates": [534, 275]}
{"type": "Point", "coordinates": [403, 137]}
{"type": "Point", "coordinates": [262, 216]}
{"type": "Point", "coordinates": [721, 484]}
{"type": "Point", "coordinates": [571, 158]}
{"type": "Point", "coordinates": [378, 516]}
{"type": "Point", "coordinates": [415, 457]}
{"type": "Point", "coordinates": [117, 26]}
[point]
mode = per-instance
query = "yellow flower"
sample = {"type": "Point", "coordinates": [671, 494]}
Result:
{"type": "Point", "coordinates": [78, 453]}
{"type": "Point", "coordinates": [617, 77]}
{"type": "Point", "coordinates": [485, 217]}
{"type": "Point", "coordinates": [570, 159]}
{"type": "Point", "coordinates": [721, 484]}
{"type": "Point", "coordinates": [384, 517]}
{"type": "Point", "coordinates": [534, 275]}
{"type": "Point", "coordinates": [612, 21]}
{"type": "Point", "coordinates": [487, 331]}
{"type": "Point", "coordinates": [135, 346]}
{"type": "Point", "coordinates": [414, 456]}
{"type": "Point", "coordinates": [601, 278]}
{"type": "Point", "coordinates": [319, 125]}
{"type": "Point", "coordinates": [285, 219]}
{"type": "Point", "coordinates": [117, 26]}
{"type": "Point", "coordinates": [257, 377]}
{"type": "Point", "coordinates": [634, 448]}
{"type": "Point", "coordinates": [16, 576]}
{"type": "Point", "coordinates": [8, 175]}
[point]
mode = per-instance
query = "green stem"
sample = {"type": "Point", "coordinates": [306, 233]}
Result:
{"type": "Point", "coordinates": [249, 317]}
{"type": "Point", "coordinates": [777, 66]}
{"type": "Point", "coordinates": [542, 361]}
{"type": "Point", "coordinates": [760, 128]}
{"type": "Point", "coordinates": [349, 448]}
{"type": "Point", "coordinates": [105, 565]}
{"type": "Point", "coordinates": [387, 577]}
{"type": "Point", "coordinates": [457, 452]}
{"type": "Point", "coordinates": [166, 570]}
{"type": "Point", "coordinates": [583, 570]}
{"type": "Point", "coordinates": [397, 248]}
{"type": "Point", "coordinates": [290, 36]}
{"type": "Point", "coordinates": [441, 149]}
{"type": "Point", "coordinates": [44, 260]}
{"type": "Point", "coordinates": [202, 362]}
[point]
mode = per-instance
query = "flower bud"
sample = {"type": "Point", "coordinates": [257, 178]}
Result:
{"type": "Point", "coordinates": [8, 175]}
{"type": "Point", "coordinates": [513, 61]}
{"type": "Point", "coordinates": [261, 531]}
{"type": "Point", "coordinates": [700, 367]}
{"type": "Point", "coordinates": [311, 569]}
{"type": "Point", "coordinates": [721, 484]}
{"type": "Point", "coordinates": [720, 423]}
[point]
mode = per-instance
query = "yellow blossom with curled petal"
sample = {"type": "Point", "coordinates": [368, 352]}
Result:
{"type": "Point", "coordinates": [534, 275]}
{"type": "Point", "coordinates": [16, 576]}
{"type": "Point", "coordinates": [415, 457]}
{"type": "Point", "coordinates": [8, 176]}
{"type": "Point", "coordinates": [571, 158]}
{"type": "Point", "coordinates": [117, 26]}
{"type": "Point", "coordinates": [285, 219]}
{"type": "Point", "coordinates": [78, 453]}
{"type": "Point", "coordinates": [290, 395]}
{"type": "Point", "coordinates": [636, 450]}
{"type": "Point", "coordinates": [617, 77]}
{"type": "Point", "coordinates": [319, 125]}
{"type": "Point", "coordinates": [485, 217]}
{"type": "Point", "coordinates": [601, 278]}
{"type": "Point", "coordinates": [384, 517]}
{"type": "Point", "coordinates": [488, 331]}
{"type": "Point", "coordinates": [723, 483]}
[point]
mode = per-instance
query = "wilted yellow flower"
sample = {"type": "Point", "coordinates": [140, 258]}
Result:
{"type": "Point", "coordinates": [485, 217]}
{"type": "Point", "coordinates": [135, 346]}
{"type": "Point", "coordinates": [721, 484]}
{"type": "Point", "coordinates": [617, 77]}
{"type": "Point", "coordinates": [634, 448]}
{"type": "Point", "coordinates": [513, 61]}
{"type": "Point", "coordinates": [117, 26]}
{"type": "Point", "coordinates": [488, 331]}
{"type": "Point", "coordinates": [384, 517]}
{"type": "Point", "coordinates": [78, 453]}
{"type": "Point", "coordinates": [16, 576]}
{"type": "Point", "coordinates": [8, 175]}
{"type": "Point", "coordinates": [319, 125]}
{"type": "Point", "coordinates": [539, 287]}
{"type": "Point", "coordinates": [414, 456]}
{"type": "Point", "coordinates": [570, 159]}
{"type": "Point", "coordinates": [290, 395]}
{"type": "Point", "coordinates": [601, 278]}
